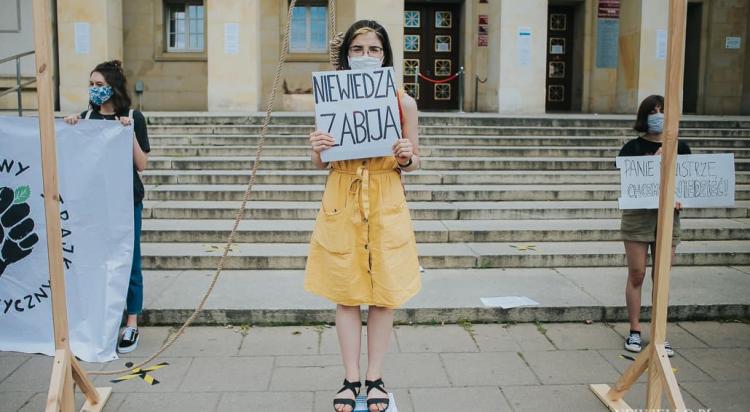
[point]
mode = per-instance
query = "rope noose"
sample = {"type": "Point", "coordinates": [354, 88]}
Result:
{"type": "Point", "coordinates": [245, 199]}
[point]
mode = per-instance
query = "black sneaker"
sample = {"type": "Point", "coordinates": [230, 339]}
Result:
{"type": "Point", "coordinates": [633, 342]}
{"type": "Point", "coordinates": [128, 340]}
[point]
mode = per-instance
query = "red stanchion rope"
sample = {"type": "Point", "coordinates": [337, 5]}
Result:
{"type": "Point", "coordinates": [446, 80]}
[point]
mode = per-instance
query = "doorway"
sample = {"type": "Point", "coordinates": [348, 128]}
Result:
{"type": "Point", "coordinates": [559, 73]}
{"type": "Point", "coordinates": [691, 75]}
{"type": "Point", "coordinates": [431, 47]}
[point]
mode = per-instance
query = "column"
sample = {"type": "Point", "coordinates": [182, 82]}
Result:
{"type": "Point", "coordinates": [88, 33]}
{"type": "Point", "coordinates": [642, 62]}
{"type": "Point", "coordinates": [390, 14]}
{"type": "Point", "coordinates": [234, 55]}
{"type": "Point", "coordinates": [519, 56]}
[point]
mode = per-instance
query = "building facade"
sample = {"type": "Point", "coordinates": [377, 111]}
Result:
{"type": "Point", "coordinates": [518, 57]}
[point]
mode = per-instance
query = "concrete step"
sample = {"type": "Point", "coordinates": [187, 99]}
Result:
{"type": "Point", "coordinates": [434, 151]}
{"type": "Point", "coordinates": [442, 140]}
{"type": "Point", "coordinates": [430, 210]}
{"type": "Point", "coordinates": [173, 256]}
{"type": "Point", "coordinates": [447, 130]}
{"type": "Point", "coordinates": [576, 294]}
{"type": "Point", "coordinates": [423, 177]}
{"type": "Point", "coordinates": [443, 119]}
{"type": "Point", "coordinates": [428, 163]}
{"type": "Point", "coordinates": [435, 231]}
{"type": "Point", "coordinates": [413, 192]}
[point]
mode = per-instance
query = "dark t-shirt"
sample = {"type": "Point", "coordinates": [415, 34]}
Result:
{"type": "Point", "coordinates": [141, 135]}
{"type": "Point", "coordinates": [642, 147]}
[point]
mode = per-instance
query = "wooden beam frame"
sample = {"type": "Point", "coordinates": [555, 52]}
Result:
{"type": "Point", "coordinates": [66, 370]}
{"type": "Point", "coordinates": [654, 357]}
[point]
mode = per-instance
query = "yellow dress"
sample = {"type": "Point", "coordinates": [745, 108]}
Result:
{"type": "Point", "coordinates": [363, 250]}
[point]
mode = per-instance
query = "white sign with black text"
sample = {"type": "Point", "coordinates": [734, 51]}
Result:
{"type": "Point", "coordinates": [359, 108]}
{"type": "Point", "coordinates": [703, 180]}
{"type": "Point", "coordinates": [95, 175]}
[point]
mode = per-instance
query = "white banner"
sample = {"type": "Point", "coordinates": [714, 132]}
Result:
{"type": "Point", "coordinates": [360, 109]}
{"type": "Point", "coordinates": [703, 180]}
{"type": "Point", "coordinates": [95, 164]}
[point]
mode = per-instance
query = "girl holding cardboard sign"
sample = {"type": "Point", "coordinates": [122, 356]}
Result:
{"type": "Point", "coordinates": [363, 250]}
{"type": "Point", "coordinates": [638, 226]}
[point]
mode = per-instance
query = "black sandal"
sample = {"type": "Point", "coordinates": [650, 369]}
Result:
{"type": "Point", "coordinates": [352, 386]}
{"type": "Point", "coordinates": [379, 385]}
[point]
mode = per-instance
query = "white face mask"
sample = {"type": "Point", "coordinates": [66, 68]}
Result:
{"type": "Point", "coordinates": [365, 63]}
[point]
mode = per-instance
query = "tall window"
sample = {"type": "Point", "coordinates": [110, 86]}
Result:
{"type": "Point", "coordinates": [185, 25]}
{"type": "Point", "coordinates": [309, 31]}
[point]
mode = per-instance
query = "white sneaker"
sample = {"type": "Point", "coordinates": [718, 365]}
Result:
{"type": "Point", "coordinates": [668, 349]}
{"type": "Point", "coordinates": [128, 340]}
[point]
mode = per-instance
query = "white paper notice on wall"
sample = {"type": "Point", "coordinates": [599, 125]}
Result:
{"type": "Point", "coordinates": [231, 38]}
{"type": "Point", "coordinates": [733, 43]}
{"type": "Point", "coordinates": [82, 31]}
{"type": "Point", "coordinates": [524, 46]}
{"type": "Point", "coordinates": [703, 180]}
{"type": "Point", "coordinates": [359, 108]}
{"type": "Point", "coordinates": [661, 45]}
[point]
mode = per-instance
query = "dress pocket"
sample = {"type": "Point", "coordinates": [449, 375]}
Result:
{"type": "Point", "coordinates": [334, 227]}
{"type": "Point", "coordinates": [397, 229]}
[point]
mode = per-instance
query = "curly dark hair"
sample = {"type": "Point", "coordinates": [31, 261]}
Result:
{"type": "Point", "coordinates": [360, 27]}
{"type": "Point", "coordinates": [115, 76]}
{"type": "Point", "coordinates": [647, 106]}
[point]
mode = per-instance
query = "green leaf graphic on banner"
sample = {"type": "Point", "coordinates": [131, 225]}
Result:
{"type": "Point", "coordinates": [22, 193]}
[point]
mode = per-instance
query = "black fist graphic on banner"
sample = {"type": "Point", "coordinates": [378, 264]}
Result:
{"type": "Point", "coordinates": [17, 237]}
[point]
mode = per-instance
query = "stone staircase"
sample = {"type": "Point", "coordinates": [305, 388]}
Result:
{"type": "Point", "coordinates": [490, 186]}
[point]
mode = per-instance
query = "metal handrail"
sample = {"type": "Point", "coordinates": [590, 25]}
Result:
{"type": "Point", "coordinates": [16, 56]}
{"type": "Point", "coordinates": [19, 85]}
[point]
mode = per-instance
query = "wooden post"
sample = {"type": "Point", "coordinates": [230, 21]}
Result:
{"type": "Point", "coordinates": [654, 357]}
{"type": "Point", "coordinates": [60, 396]}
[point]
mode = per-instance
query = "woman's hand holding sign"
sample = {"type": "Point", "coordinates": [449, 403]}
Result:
{"type": "Point", "coordinates": [403, 150]}
{"type": "Point", "coordinates": [321, 141]}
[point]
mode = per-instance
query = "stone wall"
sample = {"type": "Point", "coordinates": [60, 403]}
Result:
{"type": "Point", "coordinates": [171, 81]}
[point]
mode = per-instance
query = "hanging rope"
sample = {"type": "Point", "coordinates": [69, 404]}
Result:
{"type": "Point", "coordinates": [337, 39]}
{"type": "Point", "coordinates": [241, 211]}
{"type": "Point", "coordinates": [446, 80]}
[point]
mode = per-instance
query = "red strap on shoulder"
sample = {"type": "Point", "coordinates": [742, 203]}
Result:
{"type": "Point", "coordinates": [400, 108]}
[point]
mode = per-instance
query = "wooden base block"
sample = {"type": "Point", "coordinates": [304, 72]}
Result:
{"type": "Point", "coordinates": [602, 392]}
{"type": "Point", "coordinates": [103, 397]}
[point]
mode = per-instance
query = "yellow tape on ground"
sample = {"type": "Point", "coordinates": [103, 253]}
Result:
{"type": "Point", "coordinates": [142, 373]}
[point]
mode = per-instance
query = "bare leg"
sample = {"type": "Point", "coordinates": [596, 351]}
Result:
{"type": "Point", "coordinates": [349, 330]}
{"type": "Point", "coordinates": [379, 329]}
{"type": "Point", "coordinates": [132, 321]}
{"type": "Point", "coordinates": [636, 254]}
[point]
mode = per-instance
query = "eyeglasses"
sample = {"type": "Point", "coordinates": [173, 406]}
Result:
{"type": "Point", "coordinates": [373, 51]}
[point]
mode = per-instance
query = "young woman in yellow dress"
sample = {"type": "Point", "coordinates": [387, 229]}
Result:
{"type": "Point", "coordinates": [363, 250]}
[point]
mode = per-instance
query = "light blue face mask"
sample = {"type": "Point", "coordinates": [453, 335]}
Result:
{"type": "Point", "coordinates": [656, 123]}
{"type": "Point", "coordinates": [100, 94]}
{"type": "Point", "coordinates": [365, 63]}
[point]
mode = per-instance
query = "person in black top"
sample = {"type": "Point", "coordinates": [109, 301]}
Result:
{"type": "Point", "coordinates": [109, 100]}
{"type": "Point", "coordinates": [638, 226]}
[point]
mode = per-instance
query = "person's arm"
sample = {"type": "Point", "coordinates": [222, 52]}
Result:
{"type": "Point", "coordinates": [320, 141]}
{"type": "Point", "coordinates": [408, 147]}
{"type": "Point", "coordinates": [141, 145]}
{"type": "Point", "coordinates": [140, 158]}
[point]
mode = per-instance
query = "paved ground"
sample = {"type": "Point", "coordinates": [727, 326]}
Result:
{"type": "Point", "coordinates": [492, 367]}
{"type": "Point", "coordinates": [564, 294]}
